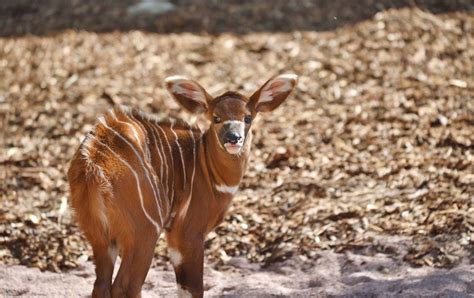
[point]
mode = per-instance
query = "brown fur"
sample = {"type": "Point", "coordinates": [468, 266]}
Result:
{"type": "Point", "coordinates": [135, 175]}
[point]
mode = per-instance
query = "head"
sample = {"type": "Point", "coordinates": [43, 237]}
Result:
{"type": "Point", "coordinates": [231, 114]}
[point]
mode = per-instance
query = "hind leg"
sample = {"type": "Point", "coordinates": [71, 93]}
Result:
{"type": "Point", "coordinates": [104, 257]}
{"type": "Point", "coordinates": [136, 261]}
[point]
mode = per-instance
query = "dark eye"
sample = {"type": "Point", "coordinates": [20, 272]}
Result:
{"type": "Point", "coordinates": [248, 119]}
{"type": "Point", "coordinates": [217, 119]}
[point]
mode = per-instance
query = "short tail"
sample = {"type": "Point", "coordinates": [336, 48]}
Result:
{"type": "Point", "coordinates": [87, 200]}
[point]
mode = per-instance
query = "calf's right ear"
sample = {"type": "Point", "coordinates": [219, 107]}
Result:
{"type": "Point", "coordinates": [188, 94]}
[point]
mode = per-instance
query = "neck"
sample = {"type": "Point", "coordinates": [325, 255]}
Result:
{"type": "Point", "coordinates": [224, 168]}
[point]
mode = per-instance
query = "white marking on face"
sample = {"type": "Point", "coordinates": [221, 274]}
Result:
{"type": "Point", "coordinates": [233, 149]}
{"type": "Point", "coordinates": [236, 148]}
{"type": "Point", "coordinates": [268, 92]}
{"type": "Point", "coordinates": [234, 121]}
{"type": "Point", "coordinates": [227, 188]}
{"type": "Point", "coordinates": [182, 293]}
{"type": "Point", "coordinates": [175, 256]}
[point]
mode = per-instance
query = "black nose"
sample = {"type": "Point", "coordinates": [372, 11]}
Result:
{"type": "Point", "coordinates": [232, 137]}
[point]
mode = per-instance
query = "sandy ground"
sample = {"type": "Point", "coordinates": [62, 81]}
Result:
{"type": "Point", "coordinates": [330, 275]}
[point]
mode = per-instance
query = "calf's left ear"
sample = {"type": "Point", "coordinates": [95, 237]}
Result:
{"type": "Point", "coordinates": [273, 93]}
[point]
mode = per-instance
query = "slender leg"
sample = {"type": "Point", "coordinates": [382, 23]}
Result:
{"type": "Point", "coordinates": [136, 262]}
{"type": "Point", "coordinates": [188, 262]}
{"type": "Point", "coordinates": [104, 267]}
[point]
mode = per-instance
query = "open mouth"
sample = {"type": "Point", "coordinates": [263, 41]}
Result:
{"type": "Point", "coordinates": [233, 148]}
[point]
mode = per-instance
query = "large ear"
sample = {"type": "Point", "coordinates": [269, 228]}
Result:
{"type": "Point", "coordinates": [188, 93]}
{"type": "Point", "coordinates": [273, 92]}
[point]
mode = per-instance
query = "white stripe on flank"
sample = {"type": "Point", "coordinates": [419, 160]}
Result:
{"type": "Point", "coordinates": [135, 134]}
{"type": "Point", "coordinates": [188, 201]}
{"type": "Point", "coordinates": [145, 135]}
{"type": "Point", "coordinates": [227, 189]}
{"type": "Point", "coordinates": [92, 167]}
{"type": "Point", "coordinates": [146, 154]}
{"type": "Point", "coordinates": [155, 140]}
{"type": "Point", "coordinates": [172, 164]}
{"type": "Point", "coordinates": [102, 120]}
{"type": "Point", "coordinates": [85, 146]}
{"type": "Point", "coordinates": [86, 143]}
{"type": "Point", "coordinates": [153, 136]}
{"type": "Point", "coordinates": [137, 180]}
{"type": "Point", "coordinates": [164, 161]}
{"type": "Point", "coordinates": [126, 111]}
{"type": "Point", "coordinates": [180, 154]}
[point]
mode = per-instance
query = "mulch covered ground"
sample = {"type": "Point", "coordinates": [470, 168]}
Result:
{"type": "Point", "coordinates": [378, 140]}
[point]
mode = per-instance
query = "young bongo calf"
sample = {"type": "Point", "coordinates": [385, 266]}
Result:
{"type": "Point", "coordinates": [135, 175]}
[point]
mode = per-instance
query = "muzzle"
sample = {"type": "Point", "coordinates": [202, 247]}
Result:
{"type": "Point", "coordinates": [234, 136]}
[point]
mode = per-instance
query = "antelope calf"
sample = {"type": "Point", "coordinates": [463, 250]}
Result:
{"type": "Point", "coordinates": [136, 175]}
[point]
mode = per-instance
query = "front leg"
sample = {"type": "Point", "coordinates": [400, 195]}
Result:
{"type": "Point", "coordinates": [186, 253]}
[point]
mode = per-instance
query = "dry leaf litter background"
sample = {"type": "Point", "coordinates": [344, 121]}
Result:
{"type": "Point", "coordinates": [377, 142]}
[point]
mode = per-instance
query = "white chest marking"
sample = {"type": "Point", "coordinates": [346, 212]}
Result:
{"type": "Point", "coordinates": [227, 189]}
